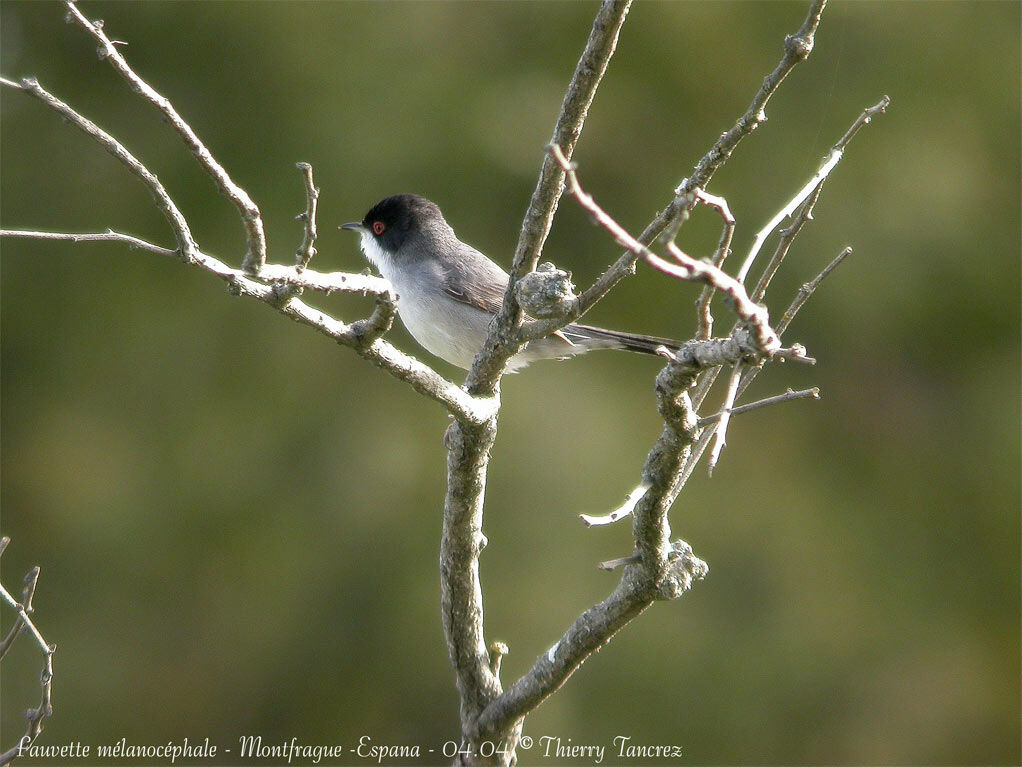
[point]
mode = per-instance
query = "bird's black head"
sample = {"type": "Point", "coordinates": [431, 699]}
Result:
{"type": "Point", "coordinates": [393, 220]}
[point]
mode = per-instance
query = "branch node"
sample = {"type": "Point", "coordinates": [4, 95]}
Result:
{"type": "Point", "coordinates": [798, 46]}
{"type": "Point", "coordinates": [281, 293]}
{"type": "Point", "coordinates": [547, 292]}
{"type": "Point", "coordinates": [685, 567]}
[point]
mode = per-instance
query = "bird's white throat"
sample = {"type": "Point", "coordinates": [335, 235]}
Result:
{"type": "Point", "coordinates": [377, 256]}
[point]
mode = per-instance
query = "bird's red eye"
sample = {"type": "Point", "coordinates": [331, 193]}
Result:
{"type": "Point", "coordinates": [378, 227]}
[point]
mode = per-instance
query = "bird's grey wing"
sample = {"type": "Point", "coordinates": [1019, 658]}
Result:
{"type": "Point", "coordinates": [488, 282]}
{"type": "Point", "coordinates": [475, 280]}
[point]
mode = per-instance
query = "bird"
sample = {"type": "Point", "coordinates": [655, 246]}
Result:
{"type": "Point", "coordinates": [448, 292]}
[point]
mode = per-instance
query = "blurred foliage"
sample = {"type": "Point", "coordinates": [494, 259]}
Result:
{"type": "Point", "coordinates": [238, 522]}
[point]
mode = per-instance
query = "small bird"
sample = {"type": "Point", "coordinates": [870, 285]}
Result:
{"type": "Point", "coordinates": [448, 291]}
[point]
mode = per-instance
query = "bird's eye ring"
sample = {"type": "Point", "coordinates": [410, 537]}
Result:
{"type": "Point", "coordinates": [378, 227]}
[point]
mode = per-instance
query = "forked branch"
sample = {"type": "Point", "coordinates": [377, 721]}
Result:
{"type": "Point", "coordinates": [247, 209]}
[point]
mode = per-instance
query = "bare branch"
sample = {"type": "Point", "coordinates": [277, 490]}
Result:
{"type": "Point", "coordinates": [107, 236]}
{"type": "Point", "coordinates": [469, 443]}
{"type": "Point", "coordinates": [723, 250]}
{"type": "Point", "coordinates": [725, 415]}
{"type": "Point", "coordinates": [308, 279]}
{"type": "Point", "coordinates": [785, 241]}
{"type": "Point", "coordinates": [807, 290]}
{"type": "Point", "coordinates": [590, 631]}
{"type": "Point", "coordinates": [813, 393]}
{"type": "Point", "coordinates": [461, 542]}
{"type": "Point", "coordinates": [250, 216]}
{"type": "Point", "coordinates": [797, 48]}
{"type": "Point", "coordinates": [326, 282]}
{"type": "Point", "coordinates": [182, 233]}
{"type": "Point", "coordinates": [308, 247]}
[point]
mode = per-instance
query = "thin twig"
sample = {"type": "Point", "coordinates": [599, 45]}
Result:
{"type": "Point", "coordinates": [805, 211]}
{"type": "Point", "coordinates": [186, 246]}
{"type": "Point", "coordinates": [255, 257]}
{"type": "Point", "coordinates": [813, 393]}
{"type": "Point", "coordinates": [308, 279]}
{"type": "Point", "coordinates": [308, 247]}
{"type": "Point", "coordinates": [808, 289]}
{"type": "Point", "coordinates": [613, 564]}
{"type": "Point", "coordinates": [497, 652]}
{"type": "Point", "coordinates": [784, 243]}
{"type": "Point", "coordinates": [810, 186]}
{"type": "Point", "coordinates": [725, 415]}
{"type": "Point", "coordinates": [31, 580]}
{"type": "Point", "coordinates": [797, 48]}
{"type": "Point", "coordinates": [377, 323]}
{"type": "Point", "coordinates": [107, 236]}
{"type": "Point", "coordinates": [723, 249]}
{"type": "Point", "coordinates": [864, 119]}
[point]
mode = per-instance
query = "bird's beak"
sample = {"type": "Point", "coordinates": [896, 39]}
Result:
{"type": "Point", "coordinates": [355, 226]}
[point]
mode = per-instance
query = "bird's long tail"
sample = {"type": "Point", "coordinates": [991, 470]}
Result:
{"type": "Point", "coordinates": [599, 338]}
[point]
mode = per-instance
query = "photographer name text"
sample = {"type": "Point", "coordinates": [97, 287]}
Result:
{"type": "Point", "coordinates": [254, 748]}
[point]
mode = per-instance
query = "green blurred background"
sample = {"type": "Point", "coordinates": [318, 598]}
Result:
{"type": "Point", "coordinates": [238, 522]}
